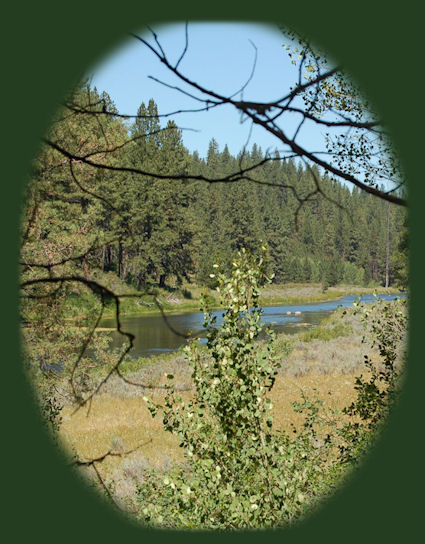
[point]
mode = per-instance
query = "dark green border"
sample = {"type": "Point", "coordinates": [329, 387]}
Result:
{"type": "Point", "coordinates": [48, 45]}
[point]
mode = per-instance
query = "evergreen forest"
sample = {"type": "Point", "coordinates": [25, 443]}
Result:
{"type": "Point", "coordinates": [192, 323]}
{"type": "Point", "coordinates": [118, 207]}
{"type": "Point", "coordinates": [170, 226]}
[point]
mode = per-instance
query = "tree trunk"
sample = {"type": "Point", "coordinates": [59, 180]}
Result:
{"type": "Point", "coordinates": [86, 269]}
{"type": "Point", "coordinates": [103, 258]}
{"type": "Point", "coordinates": [119, 258]}
{"type": "Point", "coordinates": [387, 249]}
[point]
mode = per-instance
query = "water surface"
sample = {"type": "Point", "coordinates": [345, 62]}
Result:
{"type": "Point", "coordinates": [153, 336]}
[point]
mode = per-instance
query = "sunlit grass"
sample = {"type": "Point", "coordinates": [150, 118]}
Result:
{"type": "Point", "coordinates": [323, 368]}
{"type": "Point", "coordinates": [126, 421]}
{"type": "Point", "coordinates": [186, 297]}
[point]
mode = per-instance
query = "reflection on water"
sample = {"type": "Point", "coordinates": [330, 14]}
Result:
{"type": "Point", "coordinates": [153, 336]}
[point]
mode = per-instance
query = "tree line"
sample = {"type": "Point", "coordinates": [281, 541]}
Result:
{"type": "Point", "coordinates": [155, 221]}
{"type": "Point", "coordinates": [121, 196]}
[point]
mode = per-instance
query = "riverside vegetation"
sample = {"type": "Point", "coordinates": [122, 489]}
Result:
{"type": "Point", "coordinates": [119, 219]}
{"type": "Point", "coordinates": [247, 433]}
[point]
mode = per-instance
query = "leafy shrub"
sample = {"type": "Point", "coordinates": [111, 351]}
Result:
{"type": "Point", "coordinates": [386, 325]}
{"type": "Point", "coordinates": [239, 472]}
{"type": "Point", "coordinates": [51, 410]}
{"type": "Point", "coordinates": [325, 332]}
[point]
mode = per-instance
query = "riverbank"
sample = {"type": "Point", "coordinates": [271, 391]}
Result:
{"type": "Point", "coordinates": [323, 365]}
{"type": "Point", "coordinates": [187, 298]}
{"type": "Point", "coordinates": [319, 366]}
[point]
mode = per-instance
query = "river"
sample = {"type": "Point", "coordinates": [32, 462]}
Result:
{"type": "Point", "coordinates": [153, 336]}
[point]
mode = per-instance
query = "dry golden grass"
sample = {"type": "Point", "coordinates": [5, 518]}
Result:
{"type": "Point", "coordinates": [122, 423]}
{"type": "Point", "coordinates": [335, 390]}
{"type": "Point", "coordinates": [126, 420]}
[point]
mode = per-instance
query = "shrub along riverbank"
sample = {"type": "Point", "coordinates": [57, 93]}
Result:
{"type": "Point", "coordinates": [320, 364]}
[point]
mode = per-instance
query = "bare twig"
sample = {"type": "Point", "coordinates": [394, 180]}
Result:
{"type": "Point", "coordinates": [97, 460]}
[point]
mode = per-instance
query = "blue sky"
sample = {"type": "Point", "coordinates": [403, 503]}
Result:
{"type": "Point", "coordinates": [220, 57]}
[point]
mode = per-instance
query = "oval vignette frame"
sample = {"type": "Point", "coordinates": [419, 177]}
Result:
{"type": "Point", "coordinates": [380, 500]}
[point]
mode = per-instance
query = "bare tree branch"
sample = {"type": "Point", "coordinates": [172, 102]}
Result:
{"type": "Point", "coordinates": [257, 112]}
{"type": "Point", "coordinates": [112, 453]}
{"type": "Point", "coordinates": [104, 293]}
{"type": "Point", "coordinates": [92, 463]}
{"type": "Point", "coordinates": [185, 46]}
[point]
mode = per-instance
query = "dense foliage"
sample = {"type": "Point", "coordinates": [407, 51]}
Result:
{"type": "Point", "coordinates": [338, 241]}
{"type": "Point", "coordinates": [239, 471]}
{"type": "Point", "coordinates": [158, 231]}
{"type": "Point", "coordinates": [386, 325]}
{"type": "Point", "coordinates": [91, 224]}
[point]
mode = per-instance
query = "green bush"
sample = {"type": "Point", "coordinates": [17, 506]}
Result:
{"type": "Point", "coordinates": [385, 323]}
{"type": "Point", "coordinates": [240, 473]}
{"type": "Point", "coordinates": [352, 274]}
{"type": "Point", "coordinates": [324, 332]}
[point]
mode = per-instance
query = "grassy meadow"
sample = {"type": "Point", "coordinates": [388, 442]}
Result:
{"type": "Point", "coordinates": [321, 362]}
